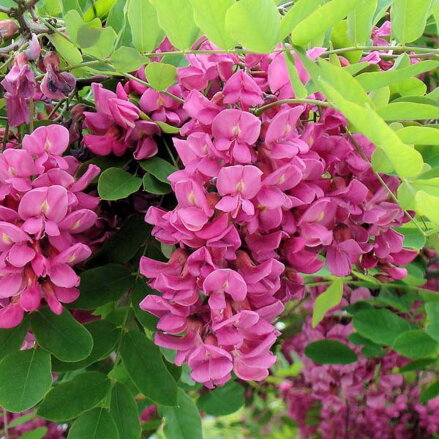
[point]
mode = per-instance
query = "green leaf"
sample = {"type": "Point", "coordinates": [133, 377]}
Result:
{"type": "Point", "coordinates": [427, 205]}
{"type": "Point", "coordinates": [432, 391]}
{"type": "Point", "coordinates": [409, 87]}
{"type": "Point", "coordinates": [380, 325]}
{"type": "Point", "coordinates": [210, 16]}
{"type": "Point", "coordinates": [100, 9]}
{"type": "Point", "coordinates": [166, 128]}
{"type": "Point", "coordinates": [144, 364]}
{"type": "Point", "coordinates": [102, 285]}
{"type": "Point", "coordinates": [61, 335]}
{"type": "Point", "coordinates": [124, 410]}
{"type": "Point", "coordinates": [330, 352]}
{"type": "Point", "coordinates": [330, 298]}
{"type": "Point", "coordinates": [95, 424]}
{"type": "Point", "coordinates": [115, 184]}
{"type": "Point", "coordinates": [255, 24]}
{"type": "Point", "coordinates": [104, 46]}
{"type": "Point", "coordinates": [408, 19]}
{"type": "Point", "coordinates": [159, 168]}
{"type": "Point", "coordinates": [360, 21]}
{"type": "Point", "coordinates": [160, 75]}
{"type": "Point", "coordinates": [68, 5]}
{"type": "Point", "coordinates": [183, 421]}
{"type": "Point", "coordinates": [66, 49]}
{"type": "Point", "coordinates": [12, 339]}
{"type": "Point", "coordinates": [127, 59]}
{"type": "Point", "coordinates": [70, 399]}
{"type": "Point", "coordinates": [406, 161]}
{"type": "Point", "coordinates": [140, 291]}
{"type": "Point", "coordinates": [223, 400]}
{"type": "Point", "coordinates": [413, 238]}
{"type": "Point", "coordinates": [321, 20]}
{"type": "Point", "coordinates": [154, 186]}
{"type": "Point", "coordinates": [374, 80]}
{"type": "Point", "coordinates": [419, 135]}
{"type": "Point", "coordinates": [415, 344]}
{"type": "Point", "coordinates": [25, 377]}
{"type": "Point", "coordinates": [418, 364]}
{"type": "Point", "coordinates": [38, 433]}
{"type": "Point", "coordinates": [123, 244]}
{"type": "Point", "coordinates": [88, 36]}
{"type": "Point", "coordinates": [105, 336]}
{"type": "Point", "coordinates": [176, 18]}
{"type": "Point", "coordinates": [408, 111]}
{"type": "Point", "coordinates": [299, 89]}
{"type": "Point", "coordinates": [298, 12]}
{"type": "Point", "coordinates": [432, 327]}
{"type": "Point", "coordinates": [144, 24]}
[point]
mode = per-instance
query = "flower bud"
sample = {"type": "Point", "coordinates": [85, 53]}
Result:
{"type": "Point", "coordinates": [34, 49]}
{"type": "Point", "coordinates": [8, 28]}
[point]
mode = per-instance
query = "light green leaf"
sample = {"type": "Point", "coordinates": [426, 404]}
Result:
{"type": "Point", "coordinates": [100, 8]}
{"type": "Point", "coordinates": [25, 377]}
{"type": "Point", "coordinates": [408, 111]}
{"type": "Point", "coordinates": [70, 399]}
{"type": "Point", "coordinates": [61, 335]}
{"type": "Point", "coordinates": [409, 87]}
{"type": "Point", "coordinates": [415, 344]}
{"type": "Point", "coordinates": [145, 28]}
{"type": "Point", "coordinates": [183, 421]}
{"type": "Point", "coordinates": [298, 12]}
{"type": "Point", "coordinates": [330, 352]}
{"type": "Point", "coordinates": [380, 325]}
{"type": "Point", "coordinates": [160, 75]}
{"type": "Point", "coordinates": [325, 301]}
{"type": "Point", "coordinates": [37, 433]}
{"type": "Point", "coordinates": [223, 400]}
{"type": "Point", "coordinates": [408, 19]}
{"type": "Point", "coordinates": [124, 410]}
{"type": "Point", "coordinates": [115, 184]}
{"type": "Point", "coordinates": [145, 366]}
{"type": "Point", "coordinates": [127, 59]}
{"type": "Point", "coordinates": [159, 168]}
{"type": "Point", "coordinates": [95, 424]}
{"type": "Point", "coordinates": [176, 18]}
{"type": "Point", "coordinates": [373, 80]}
{"type": "Point", "coordinates": [406, 161]}
{"type": "Point", "coordinates": [210, 16]}
{"type": "Point", "coordinates": [66, 49]}
{"type": "Point", "coordinates": [166, 128]}
{"type": "Point", "coordinates": [255, 24]}
{"type": "Point", "coordinates": [104, 46]}
{"type": "Point", "coordinates": [419, 135]}
{"type": "Point", "coordinates": [154, 186]}
{"type": "Point", "coordinates": [428, 205]}
{"type": "Point", "coordinates": [321, 20]}
{"type": "Point", "coordinates": [299, 89]}
{"type": "Point", "coordinates": [360, 21]}
{"type": "Point", "coordinates": [101, 285]}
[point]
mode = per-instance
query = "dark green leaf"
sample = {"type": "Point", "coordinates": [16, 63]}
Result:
{"type": "Point", "coordinates": [102, 285]}
{"type": "Point", "coordinates": [123, 408]}
{"type": "Point", "coordinates": [432, 328]}
{"type": "Point", "coordinates": [12, 339]}
{"type": "Point", "coordinates": [115, 184]}
{"type": "Point", "coordinates": [415, 344]}
{"type": "Point", "coordinates": [61, 335]}
{"type": "Point", "coordinates": [144, 364]}
{"type": "Point", "coordinates": [380, 325]}
{"type": "Point", "coordinates": [95, 424]}
{"type": "Point", "coordinates": [223, 400]}
{"type": "Point", "coordinates": [154, 186]}
{"type": "Point", "coordinates": [159, 168]}
{"type": "Point", "coordinates": [183, 421]}
{"type": "Point", "coordinates": [25, 377]}
{"type": "Point", "coordinates": [418, 364]}
{"type": "Point", "coordinates": [38, 433]}
{"type": "Point", "coordinates": [330, 352]}
{"type": "Point", "coordinates": [72, 398]}
{"type": "Point", "coordinates": [140, 291]}
{"type": "Point", "coordinates": [105, 336]}
{"type": "Point", "coordinates": [432, 391]}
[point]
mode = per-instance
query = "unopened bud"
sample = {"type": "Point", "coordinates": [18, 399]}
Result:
{"type": "Point", "coordinates": [8, 28]}
{"type": "Point", "coordinates": [34, 49]}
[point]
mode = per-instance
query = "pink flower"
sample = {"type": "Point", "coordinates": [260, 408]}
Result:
{"type": "Point", "coordinates": [221, 282]}
{"type": "Point", "coordinates": [241, 87]}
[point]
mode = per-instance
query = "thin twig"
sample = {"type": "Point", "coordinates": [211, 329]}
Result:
{"type": "Point", "coordinates": [260, 110]}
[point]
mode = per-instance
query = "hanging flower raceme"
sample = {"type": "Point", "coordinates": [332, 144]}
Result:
{"type": "Point", "coordinates": [264, 196]}
{"type": "Point", "coordinates": [44, 219]}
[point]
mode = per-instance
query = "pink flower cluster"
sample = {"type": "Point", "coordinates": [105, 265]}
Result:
{"type": "Point", "coordinates": [365, 399]}
{"type": "Point", "coordinates": [44, 215]}
{"type": "Point", "coordinates": [263, 196]}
